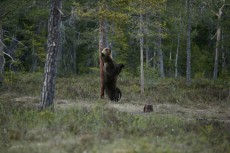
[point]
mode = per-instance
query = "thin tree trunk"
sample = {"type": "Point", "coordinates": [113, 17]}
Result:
{"type": "Point", "coordinates": [74, 54]}
{"type": "Point", "coordinates": [170, 63]}
{"type": "Point", "coordinates": [147, 46]}
{"type": "Point", "coordinates": [188, 65]}
{"type": "Point", "coordinates": [141, 54]}
{"type": "Point", "coordinates": [223, 54]}
{"type": "Point", "coordinates": [60, 57]}
{"type": "Point", "coordinates": [154, 59]}
{"type": "Point", "coordinates": [147, 55]}
{"type": "Point", "coordinates": [159, 51]}
{"type": "Point", "coordinates": [102, 44]}
{"type": "Point", "coordinates": [215, 71]}
{"type": "Point", "coordinates": [34, 59]}
{"type": "Point", "coordinates": [53, 43]}
{"type": "Point", "coordinates": [177, 51]}
{"type": "Point", "coordinates": [218, 36]}
{"type": "Point", "coordinates": [2, 60]}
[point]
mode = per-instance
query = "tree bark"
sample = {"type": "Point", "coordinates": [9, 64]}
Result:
{"type": "Point", "coordinates": [170, 64]}
{"type": "Point", "coordinates": [223, 53]}
{"type": "Point", "coordinates": [147, 55]}
{"type": "Point", "coordinates": [177, 51]}
{"type": "Point", "coordinates": [154, 59]}
{"type": "Point", "coordinates": [188, 64]}
{"type": "Point", "coordinates": [53, 43]}
{"type": "Point", "coordinates": [2, 60]}
{"type": "Point", "coordinates": [159, 51]}
{"type": "Point", "coordinates": [102, 44]}
{"type": "Point", "coordinates": [215, 71]}
{"type": "Point", "coordinates": [141, 54]}
{"type": "Point", "coordinates": [147, 50]}
{"type": "Point", "coordinates": [74, 54]}
{"type": "Point", "coordinates": [218, 35]}
{"type": "Point", "coordinates": [34, 59]}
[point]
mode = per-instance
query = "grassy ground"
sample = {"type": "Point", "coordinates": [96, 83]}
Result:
{"type": "Point", "coordinates": [185, 119]}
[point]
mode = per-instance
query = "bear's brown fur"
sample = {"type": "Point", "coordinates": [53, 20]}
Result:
{"type": "Point", "coordinates": [111, 71]}
{"type": "Point", "coordinates": [148, 108]}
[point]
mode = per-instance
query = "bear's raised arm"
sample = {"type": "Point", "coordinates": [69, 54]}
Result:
{"type": "Point", "coordinates": [119, 68]}
{"type": "Point", "coordinates": [115, 69]}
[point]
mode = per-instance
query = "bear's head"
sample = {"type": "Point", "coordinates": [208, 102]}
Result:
{"type": "Point", "coordinates": [106, 55]}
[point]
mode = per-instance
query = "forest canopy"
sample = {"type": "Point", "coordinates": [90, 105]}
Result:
{"type": "Point", "coordinates": [23, 27]}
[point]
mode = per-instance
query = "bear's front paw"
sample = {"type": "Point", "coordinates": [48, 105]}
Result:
{"type": "Point", "coordinates": [122, 65]}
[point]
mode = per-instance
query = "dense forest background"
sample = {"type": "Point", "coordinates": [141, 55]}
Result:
{"type": "Point", "coordinates": [165, 25]}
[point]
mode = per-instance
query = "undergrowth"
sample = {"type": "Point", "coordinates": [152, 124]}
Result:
{"type": "Point", "coordinates": [87, 86]}
{"type": "Point", "coordinates": [102, 129]}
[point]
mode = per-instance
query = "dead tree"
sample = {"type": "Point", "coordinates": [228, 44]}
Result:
{"type": "Point", "coordinates": [218, 36]}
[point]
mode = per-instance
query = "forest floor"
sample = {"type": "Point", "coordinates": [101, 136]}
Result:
{"type": "Point", "coordinates": [200, 112]}
{"type": "Point", "coordinates": [184, 119]}
{"type": "Point", "coordinates": [206, 116]}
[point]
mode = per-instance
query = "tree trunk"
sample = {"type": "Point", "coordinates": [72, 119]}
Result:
{"type": "Point", "coordinates": [74, 55]}
{"type": "Point", "coordinates": [53, 43]}
{"type": "Point", "coordinates": [223, 53]}
{"type": "Point", "coordinates": [2, 60]}
{"type": "Point", "coordinates": [34, 58]}
{"type": "Point", "coordinates": [159, 51]}
{"type": "Point", "coordinates": [141, 54]}
{"type": "Point", "coordinates": [154, 59]}
{"type": "Point", "coordinates": [170, 64]}
{"type": "Point", "coordinates": [215, 71]}
{"type": "Point", "coordinates": [147, 55]}
{"type": "Point", "coordinates": [147, 50]}
{"type": "Point", "coordinates": [188, 65]}
{"type": "Point", "coordinates": [218, 35]}
{"type": "Point", "coordinates": [177, 51]}
{"type": "Point", "coordinates": [102, 44]}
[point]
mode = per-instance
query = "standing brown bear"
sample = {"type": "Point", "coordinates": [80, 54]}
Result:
{"type": "Point", "coordinates": [111, 71]}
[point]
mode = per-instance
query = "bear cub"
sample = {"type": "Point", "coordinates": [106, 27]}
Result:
{"type": "Point", "coordinates": [111, 71]}
{"type": "Point", "coordinates": [148, 108]}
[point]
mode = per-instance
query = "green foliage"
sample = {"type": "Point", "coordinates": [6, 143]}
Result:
{"type": "Point", "coordinates": [25, 34]}
{"type": "Point", "coordinates": [24, 26]}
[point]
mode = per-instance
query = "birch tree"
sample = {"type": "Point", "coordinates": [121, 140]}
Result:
{"type": "Point", "coordinates": [159, 48]}
{"type": "Point", "coordinates": [218, 38]}
{"type": "Point", "coordinates": [141, 52]}
{"type": "Point", "coordinates": [188, 51]}
{"type": "Point", "coordinates": [177, 48]}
